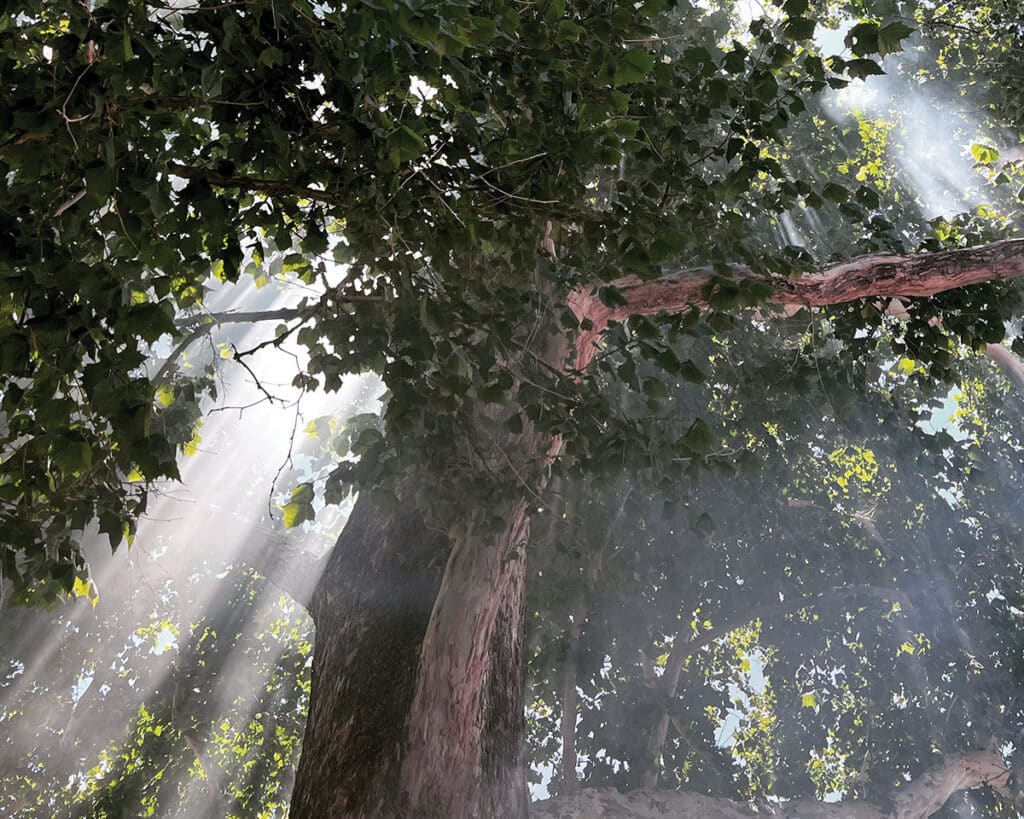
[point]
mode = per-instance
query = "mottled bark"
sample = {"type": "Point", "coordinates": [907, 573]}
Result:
{"type": "Point", "coordinates": [921, 798]}
{"type": "Point", "coordinates": [442, 774]}
{"type": "Point", "coordinates": [381, 737]}
{"type": "Point", "coordinates": [921, 274]}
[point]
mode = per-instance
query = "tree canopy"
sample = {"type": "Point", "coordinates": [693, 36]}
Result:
{"type": "Point", "coordinates": [693, 288]}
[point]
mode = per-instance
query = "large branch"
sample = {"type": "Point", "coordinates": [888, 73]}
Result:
{"type": "Point", "coordinates": [920, 274]}
{"type": "Point", "coordinates": [293, 570]}
{"type": "Point", "coordinates": [920, 799]}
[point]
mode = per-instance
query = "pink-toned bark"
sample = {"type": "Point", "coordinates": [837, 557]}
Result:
{"type": "Point", "coordinates": [441, 772]}
{"type": "Point", "coordinates": [443, 760]}
{"type": "Point", "coordinates": [921, 274]}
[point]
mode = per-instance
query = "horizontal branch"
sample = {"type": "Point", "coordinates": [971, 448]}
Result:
{"type": "Point", "coordinates": [253, 317]}
{"type": "Point", "coordinates": [876, 276]}
{"type": "Point", "coordinates": [920, 799]}
{"type": "Point", "coordinates": [270, 187]}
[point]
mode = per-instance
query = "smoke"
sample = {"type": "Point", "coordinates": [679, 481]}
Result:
{"type": "Point", "coordinates": [76, 679]}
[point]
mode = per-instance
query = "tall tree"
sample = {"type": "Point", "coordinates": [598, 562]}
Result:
{"type": "Point", "coordinates": [488, 201]}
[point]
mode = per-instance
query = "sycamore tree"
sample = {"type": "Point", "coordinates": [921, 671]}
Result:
{"type": "Point", "coordinates": [541, 225]}
{"type": "Point", "coordinates": [854, 632]}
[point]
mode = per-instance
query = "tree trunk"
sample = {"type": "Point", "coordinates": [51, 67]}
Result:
{"type": "Point", "coordinates": [416, 690]}
{"type": "Point", "coordinates": [458, 763]}
{"type": "Point", "coordinates": [379, 681]}
{"type": "Point", "coordinates": [370, 610]}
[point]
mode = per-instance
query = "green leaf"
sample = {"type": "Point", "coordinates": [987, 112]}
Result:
{"type": "Point", "coordinates": [668, 244]}
{"type": "Point", "coordinates": [891, 37]}
{"type": "Point", "coordinates": [799, 28]}
{"type": "Point", "coordinates": [303, 493]}
{"type": "Point", "coordinates": [407, 144]}
{"type": "Point", "coordinates": [295, 514]}
{"type": "Point", "coordinates": [808, 700]}
{"type": "Point", "coordinates": [72, 456]}
{"type": "Point", "coordinates": [862, 69]}
{"type": "Point", "coordinates": [655, 388]}
{"type": "Point", "coordinates": [86, 589]}
{"type": "Point", "coordinates": [633, 66]}
{"type": "Point", "coordinates": [862, 39]}
{"type": "Point", "coordinates": [691, 372]}
{"type": "Point", "coordinates": [271, 56]}
{"type": "Point", "coordinates": [699, 437]}
{"type": "Point", "coordinates": [835, 193]}
{"type": "Point", "coordinates": [984, 154]}
{"type": "Point", "coordinates": [611, 296]}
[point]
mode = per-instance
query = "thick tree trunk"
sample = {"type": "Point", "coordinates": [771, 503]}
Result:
{"type": "Point", "coordinates": [416, 706]}
{"type": "Point", "coordinates": [454, 766]}
{"type": "Point", "coordinates": [370, 609]}
{"type": "Point", "coordinates": [388, 677]}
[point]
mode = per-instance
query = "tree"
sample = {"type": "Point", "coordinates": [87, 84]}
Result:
{"type": "Point", "coordinates": [489, 202]}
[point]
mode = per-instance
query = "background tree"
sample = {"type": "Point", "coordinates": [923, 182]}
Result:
{"type": "Point", "coordinates": [476, 196]}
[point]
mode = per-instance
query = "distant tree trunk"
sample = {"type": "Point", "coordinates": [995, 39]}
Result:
{"type": "Point", "coordinates": [372, 608]}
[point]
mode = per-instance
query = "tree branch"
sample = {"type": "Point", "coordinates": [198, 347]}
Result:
{"type": "Point", "coordinates": [271, 187]}
{"type": "Point", "coordinates": [199, 326]}
{"type": "Point", "coordinates": [917, 275]}
{"type": "Point", "coordinates": [292, 570]}
{"type": "Point", "coordinates": [215, 319]}
{"type": "Point", "coordinates": [922, 798]}
{"type": "Point", "coordinates": [1008, 362]}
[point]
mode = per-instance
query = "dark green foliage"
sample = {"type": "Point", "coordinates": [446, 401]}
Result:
{"type": "Point", "coordinates": [144, 148]}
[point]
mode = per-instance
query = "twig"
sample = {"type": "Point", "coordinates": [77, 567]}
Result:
{"type": "Point", "coordinates": [255, 378]}
{"type": "Point", "coordinates": [270, 187]}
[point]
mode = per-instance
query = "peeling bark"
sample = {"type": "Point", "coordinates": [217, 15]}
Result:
{"type": "Point", "coordinates": [922, 274]}
{"type": "Point", "coordinates": [442, 773]}
{"type": "Point", "coordinates": [377, 726]}
{"type": "Point", "coordinates": [920, 799]}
